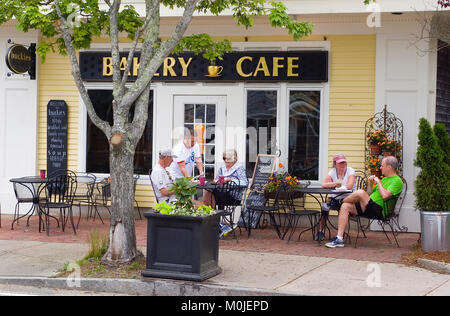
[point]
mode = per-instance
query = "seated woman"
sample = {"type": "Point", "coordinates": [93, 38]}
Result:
{"type": "Point", "coordinates": [230, 172]}
{"type": "Point", "coordinates": [340, 177]}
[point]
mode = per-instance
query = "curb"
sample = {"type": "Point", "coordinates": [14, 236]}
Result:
{"type": "Point", "coordinates": [435, 266]}
{"type": "Point", "coordinates": [150, 287]}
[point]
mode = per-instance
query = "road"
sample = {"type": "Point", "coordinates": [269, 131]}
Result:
{"type": "Point", "coordinates": [17, 290]}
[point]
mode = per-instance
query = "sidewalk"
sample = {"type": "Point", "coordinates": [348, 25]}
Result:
{"type": "Point", "coordinates": [259, 265]}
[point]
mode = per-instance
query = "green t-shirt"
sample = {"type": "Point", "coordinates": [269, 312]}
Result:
{"type": "Point", "coordinates": [394, 185]}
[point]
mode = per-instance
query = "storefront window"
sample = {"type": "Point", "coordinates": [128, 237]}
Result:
{"type": "Point", "coordinates": [203, 118]}
{"type": "Point", "coordinates": [97, 148]}
{"type": "Point", "coordinates": [261, 125]}
{"type": "Point", "coordinates": [304, 130]}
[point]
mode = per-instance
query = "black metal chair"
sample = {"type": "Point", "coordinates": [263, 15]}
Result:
{"type": "Point", "coordinates": [106, 195]}
{"type": "Point", "coordinates": [153, 186]}
{"type": "Point", "coordinates": [394, 205]}
{"type": "Point", "coordinates": [25, 193]}
{"type": "Point", "coordinates": [228, 197]}
{"type": "Point", "coordinates": [84, 194]}
{"type": "Point", "coordinates": [294, 204]}
{"type": "Point", "coordinates": [135, 180]}
{"type": "Point", "coordinates": [257, 204]}
{"type": "Point", "coordinates": [58, 193]}
{"type": "Point", "coordinates": [361, 182]}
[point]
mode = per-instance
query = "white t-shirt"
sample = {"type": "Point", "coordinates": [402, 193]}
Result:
{"type": "Point", "coordinates": [348, 173]}
{"type": "Point", "coordinates": [186, 155]}
{"type": "Point", "coordinates": [161, 180]}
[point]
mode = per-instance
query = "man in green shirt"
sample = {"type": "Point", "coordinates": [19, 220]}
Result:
{"type": "Point", "coordinates": [370, 204]}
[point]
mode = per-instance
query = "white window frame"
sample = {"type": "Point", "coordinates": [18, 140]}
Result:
{"type": "Point", "coordinates": [284, 89]}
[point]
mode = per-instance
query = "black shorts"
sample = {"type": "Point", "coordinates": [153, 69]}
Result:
{"type": "Point", "coordinates": [373, 210]}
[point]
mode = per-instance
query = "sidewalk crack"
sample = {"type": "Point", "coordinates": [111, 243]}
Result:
{"type": "Point", "coordinates": [428, 293]}
{"type": "Point", "coordinates": [303, 274]}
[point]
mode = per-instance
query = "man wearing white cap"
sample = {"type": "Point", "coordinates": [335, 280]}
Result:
{"type": "Point", "coordinates": [161, 178]}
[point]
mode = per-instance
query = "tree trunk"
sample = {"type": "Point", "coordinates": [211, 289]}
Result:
{"type": "Point", "coordinates": [122, 245]}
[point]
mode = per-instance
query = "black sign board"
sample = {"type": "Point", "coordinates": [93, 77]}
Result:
{"type": "Point", "coordinates": [19, 59]}
{"type": "Point", "coordinates": [260, 66]}
{"type": "Point", "coordinates": [56, 136]}
{"type": "Point", "coordinates": [254, 200]}
{"type": "Point", "coordinates": [264, 167]}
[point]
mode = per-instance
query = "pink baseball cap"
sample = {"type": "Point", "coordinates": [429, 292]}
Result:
{"type": "Point", "coordinates": [338, 158]}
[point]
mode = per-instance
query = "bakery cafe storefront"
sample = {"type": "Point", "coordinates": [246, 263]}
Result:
{"type": "Point", "coordinates": [255, 101]}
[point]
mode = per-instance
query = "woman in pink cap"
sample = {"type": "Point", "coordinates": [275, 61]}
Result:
{"type": "Point", "coordinates": [340, 177]}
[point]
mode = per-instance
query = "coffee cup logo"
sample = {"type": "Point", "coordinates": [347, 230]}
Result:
{"type": "Point", "coordinates": [214, 71]}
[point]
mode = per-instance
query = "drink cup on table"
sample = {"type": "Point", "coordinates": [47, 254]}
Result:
{"type": "Point", "coordinates": [202, 180]}
{"type": "Point", "coordinates": [42, 173]}
{"type": "Point", "coordinates": [221, 180]}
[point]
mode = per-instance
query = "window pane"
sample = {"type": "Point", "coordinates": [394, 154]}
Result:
{"type": "Point", "coordinates": [210, 152]}
{"type": "Point", "coordinates": [209, 172]}
{"type": "Point", "coordinates": [199, 113]}
{"type": "Point", "coordinates": [210, 113]}
{"type": "Point", "coordinates": [97, 146]}
{"type": "Point", "coordinates": [261, 125]}
{"type": "Point", "coordinates": [189, 113]}
{"type": "Point", "coordinates": [304, 131]}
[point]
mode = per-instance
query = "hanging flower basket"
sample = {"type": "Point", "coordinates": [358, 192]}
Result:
{"type": "Point", "coordinates": [375, 149]}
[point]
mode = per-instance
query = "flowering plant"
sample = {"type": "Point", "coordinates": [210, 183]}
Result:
{"type": "Point", "coordinates": [390, 146]}
{"type": "Point", "coordinates": [374, 162]}
{"type": "Point", "coordinates": [377, 137]}
{"type": "Point", "coordinates": [275, 180]}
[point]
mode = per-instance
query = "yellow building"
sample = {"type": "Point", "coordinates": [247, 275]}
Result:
{"type": "Point", "coordinates": [304, 100]}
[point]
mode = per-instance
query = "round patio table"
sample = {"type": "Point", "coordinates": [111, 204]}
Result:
{"type": "Point", "coordinates": [318, 192]}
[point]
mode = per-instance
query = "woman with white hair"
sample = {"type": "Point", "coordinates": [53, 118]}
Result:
{"type": "Point", "coordinates": [230, 172]}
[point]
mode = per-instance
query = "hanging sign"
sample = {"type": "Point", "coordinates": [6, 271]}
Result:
{"type": "Point", "coordinates": [19, 59]}
{"type": "Point", "coordinates": [260, 66]}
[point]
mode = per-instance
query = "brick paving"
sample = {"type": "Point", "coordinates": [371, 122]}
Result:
{"type": "Point", "coordinates": [375, 248]}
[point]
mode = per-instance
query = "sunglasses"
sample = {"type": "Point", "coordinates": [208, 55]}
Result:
{"type": "Point", "coordinates": [227, 159]}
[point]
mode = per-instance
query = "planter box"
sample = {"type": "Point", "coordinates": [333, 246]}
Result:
{"type": "Point", "coordinates": [182, 247]}
{"type": "Point", "coordinates": [435, 227]}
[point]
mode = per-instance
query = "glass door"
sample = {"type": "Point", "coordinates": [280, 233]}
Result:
{"type": "Point", "coordinates": [206, 114]}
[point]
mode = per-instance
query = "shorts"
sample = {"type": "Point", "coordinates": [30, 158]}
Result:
{"type": "Point", "coordinates": [373, 210]}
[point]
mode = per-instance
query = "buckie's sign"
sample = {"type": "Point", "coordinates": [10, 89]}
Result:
{"type": "Point", "coordinates": [261, 66]}
{"type": "Point", "coordinates": [18, 59]}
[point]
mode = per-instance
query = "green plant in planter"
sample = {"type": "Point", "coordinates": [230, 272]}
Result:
{"type": "Point", "coordinates": [443, 140]}
{"type": "Point", "coordinates": [183, 205]}
{"type": "Point", "coordinates": [432, 185]}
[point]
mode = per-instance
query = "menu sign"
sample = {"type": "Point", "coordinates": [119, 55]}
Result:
{"type": "Point", "coordinates": [56, 136]}
{"type": "Point", "coordinates": [265, 166]}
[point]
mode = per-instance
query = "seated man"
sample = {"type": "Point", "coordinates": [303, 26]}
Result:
{"type": "Point", "coordinates": [370, 206]}
{"type": "Point", "coordinates": [161, 178]}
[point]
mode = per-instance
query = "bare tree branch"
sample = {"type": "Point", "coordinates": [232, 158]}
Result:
{"type": "Point", "coordinates": [115, 51]}
{"type": "Point", "coordinates": [76, 73]}
{"type": "Point", "coordinates": [146, 73]}
{"type": "Point", "coordinates": [137, 36]}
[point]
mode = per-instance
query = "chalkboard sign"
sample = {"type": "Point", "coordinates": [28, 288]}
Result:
{"type": "Point", "coordinates": [254, 200]}
{"type": "Point", "coordinates": [264, 167]}
{"type": "Point", "coordinates": [56, 136]}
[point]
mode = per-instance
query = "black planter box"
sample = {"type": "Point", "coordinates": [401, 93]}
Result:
{"type": "Point", "coordinates": [182, 247]}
